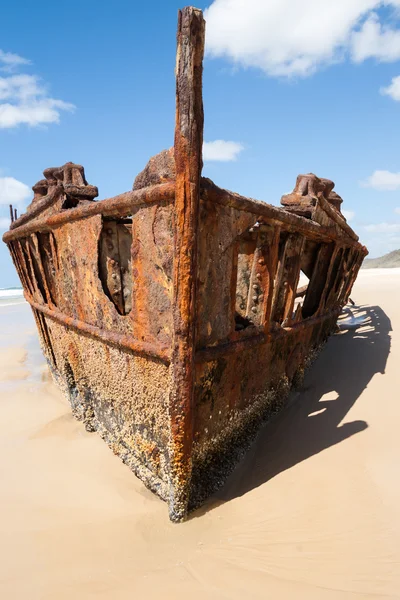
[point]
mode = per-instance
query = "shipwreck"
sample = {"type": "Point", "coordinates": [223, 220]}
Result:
{"type": "Point", "coordinates": [177, 316]}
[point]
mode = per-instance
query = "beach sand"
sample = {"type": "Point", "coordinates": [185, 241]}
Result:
{"type": "Point", "coordinates": [311, 513]}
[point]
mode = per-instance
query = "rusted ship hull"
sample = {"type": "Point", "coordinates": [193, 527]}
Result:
{"type": "Point", "coordinates": [172, 315]}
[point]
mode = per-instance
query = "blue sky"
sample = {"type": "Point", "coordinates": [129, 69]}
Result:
{"type": "Point", "coordinates": [297, 91]}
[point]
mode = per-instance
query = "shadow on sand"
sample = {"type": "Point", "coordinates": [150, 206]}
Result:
{"type": "Point", "coordinates": [312, 420]}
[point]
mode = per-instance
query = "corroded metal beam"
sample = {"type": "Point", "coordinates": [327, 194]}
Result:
{"type": "Point", "coordinates": [188, 162]}
{"type": "Point", "coordinates": [117, 206]}
{"type": "Point", "coordinates": [236, 347]}
{"type": "Point", "coordinates": [112, 338]}
{"type": "Point", "coordinates": [288, 221]}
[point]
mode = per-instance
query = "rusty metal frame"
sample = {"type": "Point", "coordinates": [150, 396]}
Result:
{"type": "Point", "coordinates": [184, 459]}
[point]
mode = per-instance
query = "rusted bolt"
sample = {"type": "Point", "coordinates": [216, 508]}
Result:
{"type": "Point", "coordinates": [258, 275]}
{"type": "Point", "coordinates": [255, 287]}
{"type": "Point", "coordinates": [255, 298]}
{"type": "Point", "coordinates": [254, 309]}
{"type": "Point", "coordinates": [261, 261]}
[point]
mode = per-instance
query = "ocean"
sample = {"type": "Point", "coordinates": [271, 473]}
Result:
{"type": "Point", "coordinates": [10, 296]}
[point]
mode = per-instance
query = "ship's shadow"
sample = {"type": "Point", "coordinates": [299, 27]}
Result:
{"type": "Point", "coordinates": [312, 421]}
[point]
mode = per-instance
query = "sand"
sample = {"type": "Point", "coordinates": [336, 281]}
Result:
{"type": "Point", "coordinates": [311, 513]}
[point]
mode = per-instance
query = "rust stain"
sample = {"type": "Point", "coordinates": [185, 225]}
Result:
{"type": "Point", "coordinates": [175, 316]}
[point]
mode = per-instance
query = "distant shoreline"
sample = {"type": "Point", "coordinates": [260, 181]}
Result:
{"type": "Point", "coordinates": [11, 296]}
{"type": "Point", "coordinates": [387, 261]}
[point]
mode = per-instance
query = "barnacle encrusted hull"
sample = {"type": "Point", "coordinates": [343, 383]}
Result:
{"type": "Point", "coordinates": [176, 316]}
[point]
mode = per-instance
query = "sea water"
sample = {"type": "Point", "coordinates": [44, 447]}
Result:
{"type": "Point", "coordinates": [11, 296]}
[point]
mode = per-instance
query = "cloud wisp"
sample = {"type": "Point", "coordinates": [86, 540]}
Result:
{"type": "Point", "coordinates": [382, 181]}
{"type": "Point", "coordinates": [10, 61]}
{"type": "Point", "coordinates": [24, 99]}
{"type": "Point", "coordinates": [13, 191]}
{"type": "Point", "coordinates": [348, 214]}
{"type": "Point", "coordinates": [221, 150]}
{"type": "Point", "coordinates": [383, 228]}
{"type": "Point", "coordinates": [393, 89]}
{"type": "Point", "coordinates": [288, 38]}
{"type": "Point", "coordinates": [375, 40]}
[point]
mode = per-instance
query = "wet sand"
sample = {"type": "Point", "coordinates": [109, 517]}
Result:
{"type": "Point", "coordinates": [311, 513]}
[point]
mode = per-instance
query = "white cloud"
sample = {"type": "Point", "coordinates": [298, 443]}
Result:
{"type": "Point", "coordinates": [397, 210]}
{"type": "Point", "coordinates": [382, 180]}
{"type": "Point", "coordinates": [46, 110]}
{"type": "Point", "coordinates": [24, 99]}
{"type": "Point", "coordinates": [383, 228]}
{"type": "Point", "coordinates": [28, 102]}
{"type": "Point", "coordinates": [348, 214]}
{"type": "Point", "coordinates": [375, 40]}
{"type": "Point", "coordinates": [13, 191]}
{"type": "Point", "coordinates": [21, 87]}
{"type": "Point", "coordinates": [9, 61]}
{"type": "Point", "coordinates": [221, 150]}
{"type": "Point", "coordinates": [289, 37]}
{"type": "Point", "coordinates": [392, 90]}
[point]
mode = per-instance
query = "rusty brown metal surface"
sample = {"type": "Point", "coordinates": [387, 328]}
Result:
{"type": "Point", "coordinates": [118, 206]}
{"type": "Point", "coordinates": [289, 219]}
{"type": "Point", "coordinates": [177, 316]}
{"type": "Point", "coordinates": [188, 144]}
{"type": "Point", "coordinates": [108, 337]}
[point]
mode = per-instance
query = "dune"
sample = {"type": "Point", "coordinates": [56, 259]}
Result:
{"type": "Point", "coordinates": [310, 513]}
{"type": "Point", "coordinates": [387, 261]}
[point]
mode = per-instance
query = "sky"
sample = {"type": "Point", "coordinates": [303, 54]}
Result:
{"type": "Point", "coordinates": [290, 87]}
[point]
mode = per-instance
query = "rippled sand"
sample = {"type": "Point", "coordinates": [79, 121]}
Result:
{"type": "Point", "coordinates": [311, 513]}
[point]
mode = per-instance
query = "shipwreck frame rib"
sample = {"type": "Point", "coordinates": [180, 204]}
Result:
{"type": "Point", "coordinates": [110, 207]}
{"type": "Point", "coordinates": [288, 221]}
{"type": "Point", "coordinates": [108, 337]}
{"type": "Point", "coordinates": [122, 204]}
{"type": "Point", "coordinates": [211, 353]}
